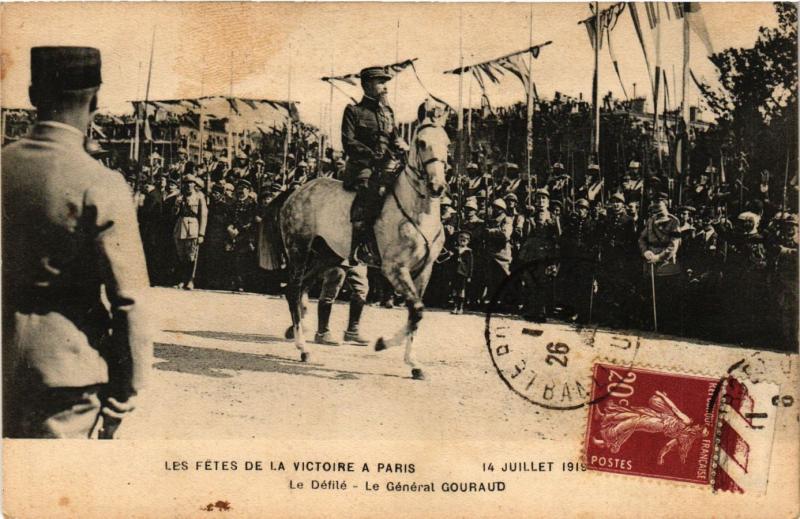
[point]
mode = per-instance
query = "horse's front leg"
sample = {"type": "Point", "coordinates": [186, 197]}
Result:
{"type": "Point", "coordinates": [420, 284]}
{"type": "Point", "coordinates": [400, 278]}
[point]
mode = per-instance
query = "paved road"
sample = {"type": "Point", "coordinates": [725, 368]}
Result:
{"type": "Point", "coordinates": [223, 370]}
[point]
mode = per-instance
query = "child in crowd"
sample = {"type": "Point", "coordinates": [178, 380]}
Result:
{"type": "Point", "coordinates": [463, 271]}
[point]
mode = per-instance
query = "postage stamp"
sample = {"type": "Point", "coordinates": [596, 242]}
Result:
{"type": "Point", "coordinates": [653, 424]}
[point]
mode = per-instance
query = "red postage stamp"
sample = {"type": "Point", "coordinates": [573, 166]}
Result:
{"type": "Point", "coordinates": [653, 424]}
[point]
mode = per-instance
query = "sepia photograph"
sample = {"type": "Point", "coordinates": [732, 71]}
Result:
{"type": "Point", "coordinates": [332, 259]}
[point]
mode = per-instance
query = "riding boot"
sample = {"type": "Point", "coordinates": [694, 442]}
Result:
{"type": "Point", "coordinates": [323, 335]}
{"type": "Point", "coordinates": [323, 316]}
{"type": "Point", "coordinates": [352, 334]}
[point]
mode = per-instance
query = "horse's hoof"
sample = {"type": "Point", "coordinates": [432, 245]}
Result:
{"type": "Point", "coordinates": [416, 374]}
{"type": "Point", "coordinates": [380, 344]}
{"type": "Point", "coordinates": [289, 333]}
{"type": "Point", "coordinates": [304, 356]}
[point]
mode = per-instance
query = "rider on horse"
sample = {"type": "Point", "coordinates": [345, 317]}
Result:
{"type": "Point", "coordinates": [371, 142]}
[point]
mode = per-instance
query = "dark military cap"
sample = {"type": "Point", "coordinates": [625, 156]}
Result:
{"type": "Point", "coordinates": [662, 196]}
{"type": "Point", "coordinates": [687, 208]}
{"type": "Point", "coordinates": [244, 183]}
{"type": "Point", "coordinates": [374, 73]}
{"type": "Point", "coordinates": [556, 203]}
{"type": "Point", "coordinates": [465, 233]}
{"type": "Point", "coordinates": [65, 68]}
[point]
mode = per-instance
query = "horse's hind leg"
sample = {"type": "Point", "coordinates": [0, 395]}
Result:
{"type": "Point", "coordinates": [294, 296]}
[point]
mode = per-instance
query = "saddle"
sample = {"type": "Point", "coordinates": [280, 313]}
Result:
{"type": "Point", "coordinates": [365, 209]}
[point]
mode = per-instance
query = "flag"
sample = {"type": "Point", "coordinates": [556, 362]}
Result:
{"type": "Point", "coordinates": [632, 8]}
{"type": "Point", "coordinates": [698, 24]}
{"type": "Point", "coordinates": [614, 61]}
{"type": "Point", "coordinates": [234, 105]}
{"type": "Point", "coordinates": [517, 65]}
{"type": "Point", "coordinates": [148, 133]}
{"type": "Point", "coordinates": [494, 70]}
{"type": "Point", "coordinates": [651, 9]}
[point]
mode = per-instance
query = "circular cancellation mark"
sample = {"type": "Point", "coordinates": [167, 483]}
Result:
{"type": "Point", "coordinates": [549, 365]}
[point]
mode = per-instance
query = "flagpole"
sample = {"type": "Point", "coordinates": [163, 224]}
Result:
{"type": "Point", "coordinates": [460, 157]}
{"type": "Point", "coordinates": [396, 59]}
{"type": "Point", "coordinates": [330, 104]}
{"type": "Point", "coordinates": [146, 99]}
{"type": "Point", "coordinates": [469, 113]}
{"type": "Point", "coordinates": [230, 117]}
{"type": "Point", "coordinates": [530, 107]}
{"type": "Point", "coordinates": [595, 87]}
{"type": "Point", "coordinates": [684, 143]}
{"type": "Point", "coordinates": [288, 135]}
{"type": "Point", "coordinates": [202, 92]}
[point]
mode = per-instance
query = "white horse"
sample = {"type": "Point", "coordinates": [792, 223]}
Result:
{"type": "Point", "coordinates": [314, 223]}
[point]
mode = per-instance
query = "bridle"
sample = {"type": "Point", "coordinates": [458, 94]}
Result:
{"type": "Point", "coordinates": [418, 171]}
{"type": "Point", "coordinates": [417, 175]}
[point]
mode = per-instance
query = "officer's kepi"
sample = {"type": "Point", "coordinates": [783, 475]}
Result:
{"type": "Point", "coordinates": [371, 73]}
{"type": "Point", "coordinates": [56, 69]}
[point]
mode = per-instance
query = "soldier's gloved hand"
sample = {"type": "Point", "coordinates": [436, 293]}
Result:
{"type": "Point", "coordinates": [200, 240]}
{"type": "Point", "coordinates": [401, 144]}
{"type": "Point", "coordinates": [116, 409]}
{"type": "Point", "coordinates": [649, 256]}
{"type": "Point", "coordinates": [391, 165]}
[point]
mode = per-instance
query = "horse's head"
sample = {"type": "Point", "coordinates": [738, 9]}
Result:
{"type": "Point", "coordinates": [428, 157]}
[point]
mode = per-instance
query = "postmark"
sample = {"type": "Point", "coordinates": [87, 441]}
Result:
{"type": "Point", "coordinates": [550, 365]}
{"type": "Point", "coordinates": [653, 423]}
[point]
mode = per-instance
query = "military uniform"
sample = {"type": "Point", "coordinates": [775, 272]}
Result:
{"type": "Point", "coordinates": [539, 255]}
{"type": "Point", "coordinates": [745, 278]}
{"type": "Point", "coordinates": [71, 234]}
{"type": "Point", "coordinates": [660, 239]}
{"type": "Point", "coordinates": [617, 285]}
{"type": "Point", "coordinates": [241, 237]}
{"type": "Point", "coordinates": [498, 244]}
{"type": "Point", "coordinates": [192, 216]}
{"type": "Point", "coordinates": [579, 250]}
{"type": "Point", "coordinates": [370, 140]}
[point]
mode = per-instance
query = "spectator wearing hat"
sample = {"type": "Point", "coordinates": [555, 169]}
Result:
{"type": "Point", "coordinates": [371, 141]}
{"type": "Point", "coordinates": [633, 183]}
{"type": "Point", "coordinates": [592, 187]}
{"type": "Point", "coordinates": [76, 337]}
{"type": "Point", "coordinates": [462, 271]}
{"type": "Point", "coordinates": [241, 233]}
{"type": "Point", "coordinates": [499, 230]}
{"type": "Point", "coordinates": [212, 264]}
{"type": "Point", "coordinates": [746, 275]}
{"type": "Point", "coordinates": [617, 286]}
{"type": "Point", "coordinates": [190, 229]}
{"type": "Point", "coordinates": [475, 226]}
{"type": "Point", "coordinates": [558, 183]}
{"type": "Point", "coordinates": [786, 277]}
{"type": "Point", "coordinates": [539, 258]}
{"type": "Point", "coordinates": [579, 257]}
{"type": "Point", "coordinates": [517, 220]}
{"type": "Point", "coordinates": [658, 243]}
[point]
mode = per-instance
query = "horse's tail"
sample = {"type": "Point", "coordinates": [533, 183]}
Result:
{"type": "Point", "coordinates": [273, 257]}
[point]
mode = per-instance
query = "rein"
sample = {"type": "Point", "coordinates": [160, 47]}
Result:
{"type": "Point", "coordinates": [418, 175]}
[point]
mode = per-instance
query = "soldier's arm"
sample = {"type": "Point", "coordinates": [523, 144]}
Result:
{"type": "Point", "coordinates": [643, 241]}
{"type": "Point", "coordinates": [124, 274]}
{"type": "Point", "coordinates": [351, 145]}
